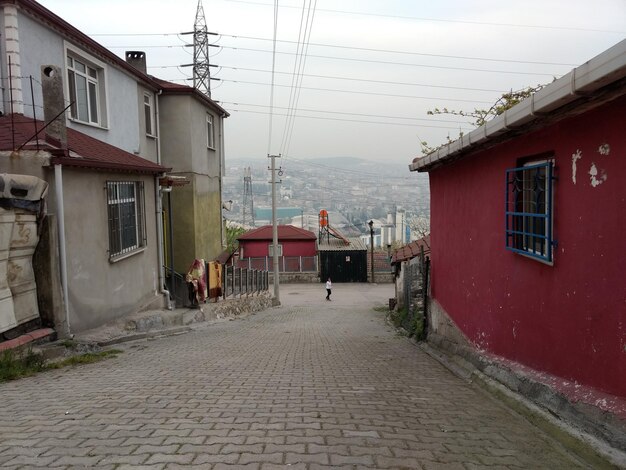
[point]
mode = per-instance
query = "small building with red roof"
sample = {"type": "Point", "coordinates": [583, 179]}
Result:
{"type": "Point", "coordinates": [296, 245]}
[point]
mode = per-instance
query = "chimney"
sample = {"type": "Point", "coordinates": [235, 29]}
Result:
{"type": "Point", "coordinates": [137, 59]}
{"type": "Point", "coordinates": [53, 103]}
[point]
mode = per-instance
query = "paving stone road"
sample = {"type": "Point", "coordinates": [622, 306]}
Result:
{"type": "Point", "coordinates": [312, 384]}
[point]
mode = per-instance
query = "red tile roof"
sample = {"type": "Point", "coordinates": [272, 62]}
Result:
{"type": "Point", "coordinates": [285, 232]}
{"type": "Point", "coordinates": [411, 250]}
{"type": "Point", "coordinates": [19, 131]}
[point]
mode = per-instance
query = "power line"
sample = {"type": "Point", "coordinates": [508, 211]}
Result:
{"type": "Point", "coordinates": [333, 77]}
{"type": "Point", "coordinates": [390, 51]}
{"type": "Point", "coordinates": [384, 82]}
{"type": "Point", "coordinates": [371, 61]}
{"type": "Point", "coordinates": [300, 78]}
{"type": "Point", "coordinates": [351, 120]}
{"type": "Point", "coordinates": [368, 49]}
{"type": "Point", "coordinates": [443, 20]}
{"type": "Point", "coordinates": [295, 75]}
{"type": "Point", "coordinates": [365, 92]}
{"type": "Point", "coordinates": [347, 114]}
{"type": "Point", "coordinates": [353, 59]}
{"type": "Point", "coordinates": [269, 139]}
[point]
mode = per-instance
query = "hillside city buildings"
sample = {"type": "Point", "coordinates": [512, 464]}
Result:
{"type": "Point", "coordinates": [352, 190]}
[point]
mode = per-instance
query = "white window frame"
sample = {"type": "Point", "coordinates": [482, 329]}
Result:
{"type": "Point", "coordinates": [96, 95]}
{"type": "Point", "coordinates": [148, 111]}
{"type": "Point", "coordinates": [210, 128]}
{"type": "Point", "coordinates": [126, 218]}
{"type": "Point", "coordinates": [271, 249]}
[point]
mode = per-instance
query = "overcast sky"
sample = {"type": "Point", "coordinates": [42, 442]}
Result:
{"type": "Point", "coordinates": [373, 68]}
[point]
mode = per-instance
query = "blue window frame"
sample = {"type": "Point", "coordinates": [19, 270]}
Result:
{"type": "Point", "coordinates": [528, 210]}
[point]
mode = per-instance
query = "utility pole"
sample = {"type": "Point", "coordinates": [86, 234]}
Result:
{"type": "Point", "coordinates": [276, 300]}
{"type": "Point", "coordinates": [248, 199]}
{"type": "Point", "coordinates": [371, 224]}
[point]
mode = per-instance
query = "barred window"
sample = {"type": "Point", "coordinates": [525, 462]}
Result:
{"type": "Point", "coordinates": [528, 210]}
{"type": "Point", "coordinates": [125, 201]}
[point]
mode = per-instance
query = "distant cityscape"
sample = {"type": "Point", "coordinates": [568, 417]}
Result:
{"type": "Point", "coordinates": [352, 190]}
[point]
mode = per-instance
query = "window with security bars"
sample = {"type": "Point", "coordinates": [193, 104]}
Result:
{"type": "Point", "coordinates": [529, 210]}
{"type": "Point", "coordinates": [125, 201]}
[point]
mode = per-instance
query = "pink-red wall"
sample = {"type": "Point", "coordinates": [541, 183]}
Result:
{"type": "Point", "coordinates": [568, 319]}
{"type": "Point", "coordinates": [259, 248]}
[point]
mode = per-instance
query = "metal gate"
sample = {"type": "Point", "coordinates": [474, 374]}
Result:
{"type": "Point", "coordinates": [343, 266]}
{"type": "Point", "coordinates": [416, 278]}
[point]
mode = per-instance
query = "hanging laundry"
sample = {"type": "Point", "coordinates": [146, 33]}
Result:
{"type": "Point", "coordinates": [215, 279]}
{"type": "Point", "coordinates": [196, 276]}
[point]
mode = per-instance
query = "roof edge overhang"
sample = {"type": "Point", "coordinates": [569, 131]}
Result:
{"type": "Point", "coordinates": [185, 90]}
{"type": "Point", "coordinates": [111, 166]}
{"type": "Point", "coordinates": [578, 86]}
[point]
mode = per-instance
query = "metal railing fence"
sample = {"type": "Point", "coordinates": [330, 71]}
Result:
{"type": "Point", "coordinates": [416, 279]}
{"type": "Point", "coordinates": [286, 264]}
{"type": "Point", "coordinates": [235, 282]}
{"type": "Point", "coordinates": [243, 281]}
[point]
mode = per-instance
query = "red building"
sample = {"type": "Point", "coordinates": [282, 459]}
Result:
{"type": "Point", "coordinates": [527, 250]}
{"type": "Point", "coordinates": [297, 248]}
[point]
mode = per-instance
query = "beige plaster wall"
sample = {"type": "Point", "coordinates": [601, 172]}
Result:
{"type": "Point", "coordinates": [98, 290]}
{"type": "Point", "coordinates": [101, 290]}
{"type": "Point", "coordinates": [196, 221]}
{"type": "Point", "coordinates": [196, 207]}
{"type": "Point", "coordinates": [175, 132]}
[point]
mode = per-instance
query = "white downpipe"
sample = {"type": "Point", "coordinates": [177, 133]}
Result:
{"type": "Point", "coordinates": [222, 174]}
{"type": "Point", "coordinates": [159, 211]}
{"type": "Point", "coordinates": [159, 216]}
{"type": "Point", "coordinates": [58, 184]}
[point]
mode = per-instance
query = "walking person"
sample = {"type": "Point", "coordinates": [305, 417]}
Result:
{"type": "Point", "coordinates": [329, 286]}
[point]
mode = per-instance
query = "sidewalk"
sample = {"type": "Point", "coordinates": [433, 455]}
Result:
{"type": "Point", "coordinates": [151, 323]}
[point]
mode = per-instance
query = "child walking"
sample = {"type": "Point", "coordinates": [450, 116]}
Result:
{"type": "Point", "coordinates": [329, 286]}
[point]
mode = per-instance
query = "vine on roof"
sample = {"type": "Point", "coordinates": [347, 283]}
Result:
{"type": "Point", "coordinates": [481, 116]}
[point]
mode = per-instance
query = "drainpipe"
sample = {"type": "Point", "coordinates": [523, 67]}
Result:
{"type": "Point", "coordinates": [159, 222]}
{"type": "Point", "coordinates": [58, 186]}
{"type": "Point", "coordinates": [159, 210]}
{"type": "Point", "coordinates": [222, 174]}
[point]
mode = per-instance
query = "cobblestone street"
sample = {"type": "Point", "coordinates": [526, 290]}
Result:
{"type": "Point", "coordinates": [312, 384]}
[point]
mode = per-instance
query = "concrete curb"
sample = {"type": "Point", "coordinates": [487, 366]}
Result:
{"type": "Point", "coordinates": [156, 323]}
{"type": "Point", "coordinates": [589, 449]}
{"type": "Point", "coordinates": [33, 338]}
{"type": "Point", "coordinates": [146, 335]}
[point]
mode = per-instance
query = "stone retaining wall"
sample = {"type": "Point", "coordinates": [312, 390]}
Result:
{"type": "Point", "coordinates": [296, 278]}
{"type": "Point", "coordinates": [236, 306]}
